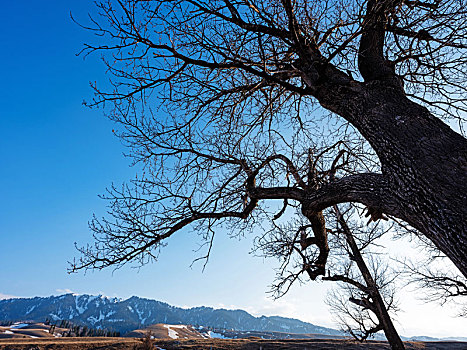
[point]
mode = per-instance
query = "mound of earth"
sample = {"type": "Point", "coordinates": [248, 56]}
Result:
{"type": "Point", "coordinates": [29, 330]}
{"type": "Point", "coordinates": [167, 331]}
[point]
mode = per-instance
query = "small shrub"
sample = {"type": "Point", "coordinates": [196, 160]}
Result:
{"type": "Point", "coordinates": [148, 341]}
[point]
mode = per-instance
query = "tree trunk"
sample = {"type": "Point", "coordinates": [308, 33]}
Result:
{"type": "Point", "coordinates": [377, 302]}
{"type": "Point", "coordinates": [423, 162]}
{"type": "Point", "coordinates": [385, 320]}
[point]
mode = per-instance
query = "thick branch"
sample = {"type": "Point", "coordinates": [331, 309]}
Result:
{"type": "Point", "coordinates": [277, 193]}
{"type": "Point", "coordinates": [370, 189]}
{"type": "Point", "coordinates": [371, 61]}
{"type": "Point", "coordinates": [346, 279]}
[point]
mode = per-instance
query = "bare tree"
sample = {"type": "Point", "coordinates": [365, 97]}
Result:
{"type": "Point", "coordinates": [219, 102]}
{"type": "Point", "coordinates": [441, 284]}
{"type": "Point", "coordinates": [371, 293]}
{"type": "Point", "coordinates": [435, 274]}
{"type": "Point", "coordinates": [366, 296]}
{"type": "Point", "coordinates": [352, 318]}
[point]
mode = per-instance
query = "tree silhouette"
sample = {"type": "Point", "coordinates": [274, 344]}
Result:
{"type": "Point", "coordinates": [227, 105]}
{"type": "Point", "coordinates": [365, 299]}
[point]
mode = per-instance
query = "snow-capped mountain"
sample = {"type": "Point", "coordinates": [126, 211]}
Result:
{"type": "Point", "coordinates": [126, 315]}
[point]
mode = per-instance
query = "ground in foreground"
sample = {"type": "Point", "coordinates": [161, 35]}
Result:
{"type": "Point", "coordinates": [209, 344]}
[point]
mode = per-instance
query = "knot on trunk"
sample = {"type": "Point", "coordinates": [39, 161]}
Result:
{"type": "Point", "coordinates": [375, 214]}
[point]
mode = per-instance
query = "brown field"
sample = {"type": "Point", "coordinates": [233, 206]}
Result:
{"type": "Point", "coordinates": [208, 344]}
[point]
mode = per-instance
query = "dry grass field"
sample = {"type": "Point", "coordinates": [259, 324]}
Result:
{"type": "Point", "coordinates": [208, 344]}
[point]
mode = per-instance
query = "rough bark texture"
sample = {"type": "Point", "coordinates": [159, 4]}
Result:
{"type": "Point", "coordinates": [423, 161]}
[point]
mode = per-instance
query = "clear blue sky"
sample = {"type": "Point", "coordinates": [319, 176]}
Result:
{"type": "Point", "coordinates": [57, 156]}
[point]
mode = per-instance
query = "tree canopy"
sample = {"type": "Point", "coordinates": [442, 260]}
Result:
{"type": "Point", "coordinates": [229, 104]}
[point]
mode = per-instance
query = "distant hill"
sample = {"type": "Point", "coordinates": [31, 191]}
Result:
{"type": "Point", "coordinates": [167, 331]}
{"type": "Point", "coordinates": [135, 313]}
{"type": "Point", "coordinates": [30, 330]}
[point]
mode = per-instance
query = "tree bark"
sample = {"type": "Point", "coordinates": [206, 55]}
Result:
{"type": "Point", "coordinates": [423, 161]}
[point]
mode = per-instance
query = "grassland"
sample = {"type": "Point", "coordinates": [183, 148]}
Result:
{"type": "Point", "coordinates": [208, 344]}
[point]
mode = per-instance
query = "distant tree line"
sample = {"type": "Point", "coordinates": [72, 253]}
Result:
{"type": "Point", "coordinates": [74, 330]}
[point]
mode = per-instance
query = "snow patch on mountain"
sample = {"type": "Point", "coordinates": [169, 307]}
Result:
{"type": "Point", "coordinates": [172, 333]}
{"type": "Point", "coordinates": [94, 320]}
{"type": "Point", "coordinates": [19, 325]}
{"type": "Point", "coordinates": [31, 309]}
{"type": "Point", "coordinates": [216, 335]}
{"type": "Point", "coordinates": [140, 315]}
{"type": "Point", "coordinates": [80, 307]}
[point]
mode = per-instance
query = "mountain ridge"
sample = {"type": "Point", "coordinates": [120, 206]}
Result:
{"type": "Point", "coordinates": [125, 315]}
